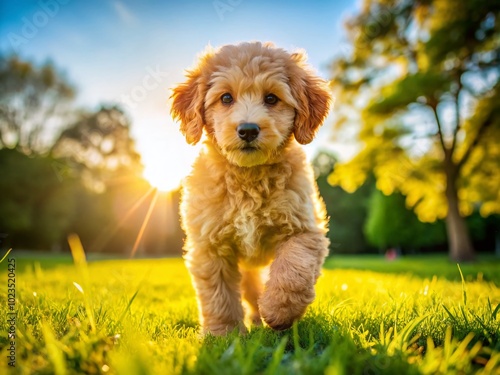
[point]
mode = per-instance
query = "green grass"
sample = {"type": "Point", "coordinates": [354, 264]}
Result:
{"type": "Point", "coordinates": [487, 267]}
{"type": "Point", "coordinates": [140, 317]}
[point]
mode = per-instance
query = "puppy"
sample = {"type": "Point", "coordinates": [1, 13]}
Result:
{"type": "Point", "coordinates": [251, 199]}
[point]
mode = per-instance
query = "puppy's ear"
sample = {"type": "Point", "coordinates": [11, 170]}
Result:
{"type": "Point", "coordinates": [187, 106]}
{"type": "Point", "coordinates": [313, 98]}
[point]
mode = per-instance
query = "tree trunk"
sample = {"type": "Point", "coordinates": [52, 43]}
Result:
{"type": "Point", "coordinates": [459, 241]}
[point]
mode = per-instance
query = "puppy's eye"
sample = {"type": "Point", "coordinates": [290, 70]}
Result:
{"type": "Point", "coordinates": [226, 98]}
{"type": "Point", "coordinates": [271, 99]}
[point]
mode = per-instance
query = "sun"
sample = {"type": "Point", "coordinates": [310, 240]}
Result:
{"type": "Point", "coordinates": [167, 158]}
{"type": "Point", "coordinates": [161, 177]}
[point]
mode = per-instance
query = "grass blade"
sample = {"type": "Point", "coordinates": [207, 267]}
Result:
{"type": "Point", "coordinates": [80, 261]}
{"type": "Point", "coordinates": [408, 330]}
{"type": "Point", "coordinates": [54, 352]}
{"type": "Point", "coordinates": [483, 326]}
{"type": "Point", "coordinates": [127, 308]}
{"type": "Point", "coordinates": [450, 314]}
{"type": "Point", "coordinates": [277, 357]}
{"type": "Point", "coordinates": [5, 256]}
{"type": "Point", "coordinates": [495, 312]}
{"type": "Point", "coordinates": [464, 292]}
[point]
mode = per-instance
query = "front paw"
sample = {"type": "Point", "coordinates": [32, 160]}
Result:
{"type": "Point", "coordinates": [281, 307]}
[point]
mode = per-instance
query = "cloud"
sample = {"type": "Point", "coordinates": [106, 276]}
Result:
{"type": "Point", "coordinates": [124, 13]}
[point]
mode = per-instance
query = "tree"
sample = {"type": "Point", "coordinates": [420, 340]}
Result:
{"type": "Point", "coordinates": [88, 181]}
{"type": "Point", "coordinates": [391, 224]}
{"type": "Point", "coordinates": [422, 81]}
{"type": "Point", "coordinates": [33, 103]}
{"type": "Point", "coordinates": [119, 210]}
{"type": "Point", "coordinates": [346, 211]}
{"type": "Point", "coordinates": [37, 208]}
{"type": "Point", "coordinates": [100, 148]}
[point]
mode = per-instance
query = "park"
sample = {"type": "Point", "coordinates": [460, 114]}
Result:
{"type": "Point", "coordinates": [94, 164]}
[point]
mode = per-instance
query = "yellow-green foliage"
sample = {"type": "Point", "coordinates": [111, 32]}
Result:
{"type": "Point", "coordinates": [140, 317]}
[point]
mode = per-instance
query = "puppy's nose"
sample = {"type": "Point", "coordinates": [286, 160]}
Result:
{"type": "Point", "coordinates": [248, 131]}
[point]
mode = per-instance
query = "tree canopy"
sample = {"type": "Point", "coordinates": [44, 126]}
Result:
{"type": "Point", "coordinates": [37, 208]}
{"type": "Point", "coordinates": [421, 83]}
{"type": "Point", "coordinates": [67, 170]}
{"type": "Point", "coordinates": [33, 103]}
{"type": "Point", "coordinates": [100, 146]}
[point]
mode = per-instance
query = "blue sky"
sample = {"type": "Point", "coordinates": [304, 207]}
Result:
{"type": "Point", "coordinates": [132, 52]}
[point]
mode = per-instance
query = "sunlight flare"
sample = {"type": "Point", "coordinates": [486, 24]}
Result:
{"type": "Point", "coordinates": [160, 177]}
{"type": "Point", "coordinates": [107, 234]}
{"type": "Point", "coordinates": [144, 224]}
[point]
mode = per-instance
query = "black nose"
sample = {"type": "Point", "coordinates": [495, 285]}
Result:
{"type": "Point", "coordinates": [248, 131]}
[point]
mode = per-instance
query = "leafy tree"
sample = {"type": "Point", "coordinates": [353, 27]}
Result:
{"type": "Point", "coordinates": [37, 207]}
{"type": "Point", "coordinates": [84, 182]}
{"type": "Point", "coordinates": [346, 211]}
{"type": "Point", "coordinates": [422, 82]}
{"type": "Point", "coordinates": [391, 224]}
{"type": "Point", "coordinates": [33, 102]}
{"type": "Point", "coordinates": [100, 148]}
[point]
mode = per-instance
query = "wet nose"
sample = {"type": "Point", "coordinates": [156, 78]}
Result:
{"type": "Point", "coordinates": [248, 131]}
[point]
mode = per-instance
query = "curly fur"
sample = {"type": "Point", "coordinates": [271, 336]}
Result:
{"type": "Point", "coordinates": [244, 209]}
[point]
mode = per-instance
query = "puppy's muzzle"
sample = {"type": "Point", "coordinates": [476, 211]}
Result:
{"type": "Point", "coordinates": [248, 131]}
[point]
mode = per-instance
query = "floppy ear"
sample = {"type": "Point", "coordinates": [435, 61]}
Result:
{"type": "Point", "coordinates": [313, 99]}
{"type": "Point", "coordinates": [187, 106]}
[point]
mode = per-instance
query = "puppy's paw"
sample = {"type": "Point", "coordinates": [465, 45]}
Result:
{"type": "Point", "coordinates": [280, 308]}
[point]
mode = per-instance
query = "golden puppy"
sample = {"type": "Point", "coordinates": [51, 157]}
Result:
{"type": "Point", "coordinates": [251, 199]}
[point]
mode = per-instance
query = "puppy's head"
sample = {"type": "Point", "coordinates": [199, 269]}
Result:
{"type": "Point", "coordinates": [250, 99]}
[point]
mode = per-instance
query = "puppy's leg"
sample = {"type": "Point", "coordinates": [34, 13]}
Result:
{"type": "Point", "coordinates": [217, 283]}
{"type": "Point", "coordinates": [251, 285]}
{"type": "Point", "coordinates": [290, 288]}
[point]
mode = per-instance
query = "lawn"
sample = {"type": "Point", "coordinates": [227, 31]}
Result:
{"type": "Point", "coordinates": [411, 316]}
